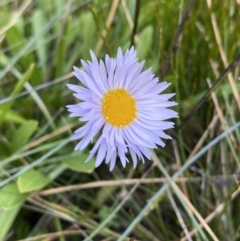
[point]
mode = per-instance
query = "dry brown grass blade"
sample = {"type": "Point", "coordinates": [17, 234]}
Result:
{"type": "Point", "coordinates": [109, 21]}
{"type": "Point", "coordinates": [220, 112]}
{"type": "Point", "coordinates": [178, 161]}
{"type": "Point", "coordinates": [122, 182]}
{"type": "Point", "coordinates": [223, 54]}
{"type": "Point", "coordinates": [50, 135]}
{"type": "Point", "coordinates": [187, 204]}
{"type": "Point", "coordinates": [202, 221]}
{"type": "Point", "coordinates": [127, 13]}
{"type": "Point", "coordinates": [15, 17]}
{"type": "Point", "coordinates": [204, 136]}
{"type": "Point", "coordinates": [214, 87]}
{"type": "Point", "coordinates": [54, 210]}
{"type": "Point", "coordinates": [216, 212]}
{"type": "Point", "coordinates": [51, 235]}
{"type": "Point", "coordinates": [179, 216]}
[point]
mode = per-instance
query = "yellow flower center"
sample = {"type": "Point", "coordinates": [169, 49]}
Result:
{"type": "Point", "coordinates": [119, 108]}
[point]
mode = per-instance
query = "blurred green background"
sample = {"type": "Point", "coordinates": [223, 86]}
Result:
{"type": "Point", "coordinates": [48, 192]}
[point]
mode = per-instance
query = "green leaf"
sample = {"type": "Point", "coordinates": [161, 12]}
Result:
{"type": "Point", "coordinates": [31, 181]}
{"type": "Point", "coordinates": [13, 116]}
{"type": "Point", "coordinates": [62, 49]}
{"type": "Point", "coordinates": [145, 42]}
{"type": "Point", "coordinates": [7, 218]}
{"type": "Point", "coordinates": [11, 197]}
{"type": "Point", "coordinates": [88, 32]}
{"type": "Point", "coordinates": [18, 87]}
{"type": "Point", "coordinates": [14, 36]}
{"type": "Point", "coordinates": [77, 162]}
{"type": "Point", "coordinates": [38, 20]}
{"type": "Point", "coordinates": [57, 171]}
{"type": "Point", "coordinates": [22, 135]}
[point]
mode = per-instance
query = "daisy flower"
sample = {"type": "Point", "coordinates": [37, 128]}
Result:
{"type": "Point", "coordinates": [121, 103]}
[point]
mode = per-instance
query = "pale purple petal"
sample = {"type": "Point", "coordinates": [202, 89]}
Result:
{"type": "Point", "coordinates": [101, 154]}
